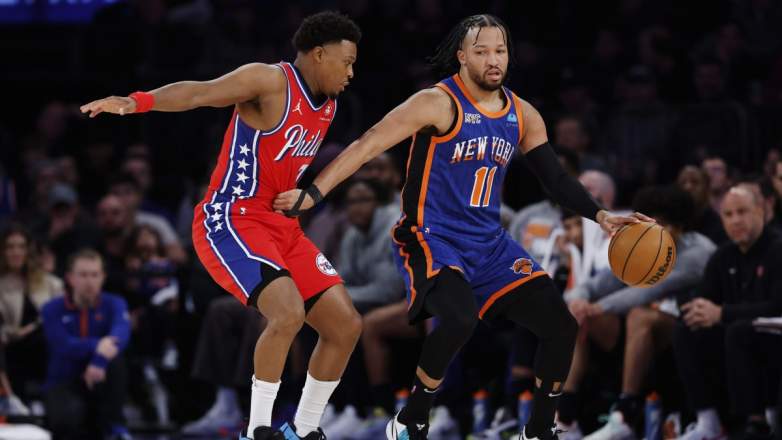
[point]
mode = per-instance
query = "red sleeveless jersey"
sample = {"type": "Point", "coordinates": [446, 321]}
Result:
{"type": "Point", "coordinates": [259, 164]}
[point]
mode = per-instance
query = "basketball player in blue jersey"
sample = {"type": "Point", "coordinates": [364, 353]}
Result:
{"type": "Point", "coordinates": [458, 263]}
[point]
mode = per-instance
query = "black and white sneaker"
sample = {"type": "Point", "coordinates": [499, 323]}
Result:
{"type": "Point", "coordinates": [397, 431]}
{"type": "Point", "coordinates": [554, 434]}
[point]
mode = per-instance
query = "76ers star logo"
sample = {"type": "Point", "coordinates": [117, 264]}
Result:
{"type": "Point", "coordinates": [522, 266]}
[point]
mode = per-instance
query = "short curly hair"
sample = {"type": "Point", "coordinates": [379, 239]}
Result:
{"type": "Point", "coordinates": [669, 203]}
{"type": "Point", "coordinates": [325, 27]}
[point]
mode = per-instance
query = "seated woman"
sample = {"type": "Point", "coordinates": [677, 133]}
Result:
{"type": "Point", "coordinates": [24, 288]}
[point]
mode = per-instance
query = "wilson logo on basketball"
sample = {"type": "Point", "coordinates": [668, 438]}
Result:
{"type": "Point", "coordinates": [662, 270]}
{"type": "Point", "coordinates": [522, 266]}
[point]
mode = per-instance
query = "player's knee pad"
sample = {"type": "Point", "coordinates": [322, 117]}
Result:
{"type": "Point", "coordinates": [459, 327]}
{"type": "Point", "coordinates": [442, 345]}
{"type": "Point", "coordinates": [543, 310]}
{"type": "Point", "coordinates": [557, 342]}
{"type": "Point", "coordinates": [551, 319]}
{"type": "Point", "coordinates": [452, 303]}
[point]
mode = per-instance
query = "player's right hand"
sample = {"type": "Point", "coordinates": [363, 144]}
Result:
{"type": "Point", "coordinates": [119, 105]}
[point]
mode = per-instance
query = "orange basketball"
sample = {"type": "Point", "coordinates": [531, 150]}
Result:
{"type": "Point", "coordinates": [642, 254]}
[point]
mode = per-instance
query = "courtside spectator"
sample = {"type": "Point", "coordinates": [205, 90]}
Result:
{"type": "Point", "coordinates": [24, 288]}
{"type": "Point", "coordinates": [715, 339]}
{"type": "Point", "coordinates": [86, 331]}
{"type": "Point", "coordinates": [602, 305]}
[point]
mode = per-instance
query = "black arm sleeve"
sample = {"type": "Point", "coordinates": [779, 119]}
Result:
{"type": "Point", "coordinates": [564, 189]}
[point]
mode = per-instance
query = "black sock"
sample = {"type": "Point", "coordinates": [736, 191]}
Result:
{"type": "Point", "coordinates": [542, 417]}
{"type": "Point", "coordinates": [568, 408]}
{"type": "Point", "coordinates": [514, 388]}
{"type": "Point", "coordinates": [418, 404]}
{"type": "Point", "coordinates": [383, 396]}
{"type": "Point", "coordinates": [630, 406]}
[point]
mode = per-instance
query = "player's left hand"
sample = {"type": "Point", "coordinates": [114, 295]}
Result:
{"type": "Point", "coordinates": [612, 223]}
{"type": "Point", "coordinates": [285, 201]}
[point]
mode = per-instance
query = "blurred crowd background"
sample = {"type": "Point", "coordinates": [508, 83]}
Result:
{"type": "Point", "coordinates": [661, 106]}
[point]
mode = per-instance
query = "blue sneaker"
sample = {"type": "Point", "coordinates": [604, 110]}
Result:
{"type": "Point", "coordinates": [289, 433]}
{"type": "Point", "coordinates": [262, 433]}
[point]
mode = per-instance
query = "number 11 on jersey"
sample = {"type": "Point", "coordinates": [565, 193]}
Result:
{"type": "Point", "coordinates": [484, 179]}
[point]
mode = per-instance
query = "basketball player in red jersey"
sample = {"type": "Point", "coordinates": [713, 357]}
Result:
{"type": "Point", "coordinates": [282, 113]}
{"type": "Point", "coordinates": [458, 263]}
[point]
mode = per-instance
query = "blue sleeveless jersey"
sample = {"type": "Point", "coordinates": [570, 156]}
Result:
{"type": "Point", "coordinates": [451, 207]}
{"type": "Point", "coordinates": [454, 181]}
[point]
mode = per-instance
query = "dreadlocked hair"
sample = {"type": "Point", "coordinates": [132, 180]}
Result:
{"type": "Point", "coordinates": [444, 61]}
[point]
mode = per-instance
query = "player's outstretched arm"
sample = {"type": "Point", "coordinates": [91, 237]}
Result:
{"type": "Point", "coordinates": [427, 108]}
{"type": "Point", "coordinates": [563, 188]}
{"type": "Point", "coordinates": [243, 84]}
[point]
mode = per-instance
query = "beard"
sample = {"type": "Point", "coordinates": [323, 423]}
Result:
{"type": "Point", "coordinates": [480, 80]}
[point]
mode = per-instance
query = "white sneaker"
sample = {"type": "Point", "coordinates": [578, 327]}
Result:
{"type": "Point", "coordinates": [329, 416]}
{"type": "Point", "coordinates": [501, 425]}
{"type": "Point", "coordinates": [214, 422]}
{"type": "Point", "coordinates": [170, 359]}
{"type": "Point", "coordinates": [569, 432]}
{"type": "Point", "coordinates": [695, 432]}
{"type": "Point", "coordinates": [772, 419]}
{"type": "Point", "coordinates": [345, 424]}
{"type": "Point", "coordinates": [398, 431]}
{"type": "Point", "coordinates": [158, 395]}
{"type": "Point", "coordinates": [37, 408]}
{"type": "Point", "coordinates": [441, 425]}
{"type": "Point", "coordinates": [614, 429]}
{"type": "Point", "coordinates": [16, 407]}
{"type": "Point", "coordinates": [672, 428]}
{"type": "Point", "coordinates": [159, 400]}
{"type": "Point", "coordinates": [374, 426]}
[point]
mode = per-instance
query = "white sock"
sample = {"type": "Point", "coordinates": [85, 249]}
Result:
{"type": "Point", "coordinates": [313, 401]}
{"type": "Point", "coordinates": [226, 400]}
{"type": "Point", "coordinates": [771, 418]}
{"type": "Point", "coordinates": [261, 404]}
{"type": "Point", "coordinates": [709, 421]}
